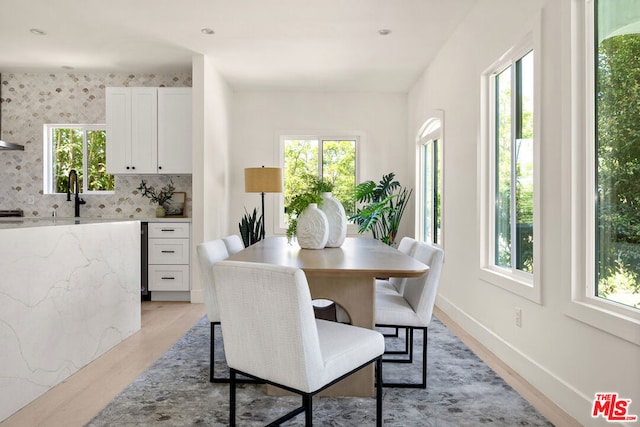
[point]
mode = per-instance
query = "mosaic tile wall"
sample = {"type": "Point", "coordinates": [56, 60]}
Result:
{"type": "Point", "coordinates": [31, 100]}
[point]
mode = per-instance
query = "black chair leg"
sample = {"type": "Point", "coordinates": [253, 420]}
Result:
{"type": "Point", "coordinates": [408, 346]}
{"type": "Point", "coordinates": [379, 392]}
{"type": "Point", "coordinates": [212, 362]}
{"type": "Point", "coordinates": [394, 335]}
{"type": "Point", "coordinates": [410, 332]}
{"type": "Point", "coordinates": [424, 358]}
{"type": "Point", "coordinates": [408, 349]}
{"type": "Point", "coordinates": [423, 383]}
{"type": "Point", "coordinates": [212, 351]}
{"type": "Point", "coordinates": [307, 398]}
{"type": "Point", "coordinates": [307, 403]}
{"type": "Point", "coordinates": [232, 398]}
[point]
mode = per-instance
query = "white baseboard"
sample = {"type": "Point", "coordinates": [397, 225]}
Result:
{"type": "Point", "coordinates": [197, 296]}
{"type": "Point", "coordinates": [564, 395]}
{"type": "Point", "coordinates": [170, 296]}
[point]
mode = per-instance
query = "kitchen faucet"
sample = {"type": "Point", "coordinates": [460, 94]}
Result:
{"type": "Point", "coordinates": [73, 178]}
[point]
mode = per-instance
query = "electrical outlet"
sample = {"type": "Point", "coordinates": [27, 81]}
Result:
{"type": "Point", "coordinates": [31, 200]}
{"type": "Point", "coordinates": [518, 317]}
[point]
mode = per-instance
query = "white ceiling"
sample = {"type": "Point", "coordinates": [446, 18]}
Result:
{"type": "Point", "coordinates": [257, 45]}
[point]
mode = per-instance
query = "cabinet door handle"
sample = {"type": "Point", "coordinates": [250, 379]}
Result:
{"type": "Point", "coordinates": [168, 229]}
{"type": "Point", "coordinates": [168, 278]}
{"type": "Point", "coordinates": [168, 252]}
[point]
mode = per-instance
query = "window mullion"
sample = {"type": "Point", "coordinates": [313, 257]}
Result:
{"type": "Point", "coordinates": [320, 157]}
{"type": "Point", "coordinates": [434, 197]}
{"type": "Point", "coordinates": [85, 161]}
{"type": "Point", "coordinates": [514, 136]}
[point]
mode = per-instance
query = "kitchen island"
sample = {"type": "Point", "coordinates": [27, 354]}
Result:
{"type": "Point", "coordinates": [69, 291]}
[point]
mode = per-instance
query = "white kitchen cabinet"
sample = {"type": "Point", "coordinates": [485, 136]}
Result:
{"type": "Point", "coordinates": [168, 278]}
{"type": "Point", "coordinates": [132, 130]}
{"type": "Point", "coordinates": [169, 261]}
{"type": "Point", "coordinates": [174, 130]}
{"type": "Point", "coordinates": [148, 130]}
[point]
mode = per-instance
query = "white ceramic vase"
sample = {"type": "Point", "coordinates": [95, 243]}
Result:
{"type": "Point", "coordinates": [337, 219]}
{"type": "Point", "coordinates": [312, 229]}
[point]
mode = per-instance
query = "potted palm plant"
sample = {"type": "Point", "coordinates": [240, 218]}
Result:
{"type": "Point", "coordinates": [385, 203]}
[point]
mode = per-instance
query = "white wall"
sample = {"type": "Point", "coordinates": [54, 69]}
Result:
{"type": "Point", "coordinates": [212, 101]}
{"type": "Point", "coordinates": [567, 360]}
{"type": "Point", "coordinates": [258, 117]}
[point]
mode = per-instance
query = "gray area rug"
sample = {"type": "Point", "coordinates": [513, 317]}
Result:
{"type": "Point", "coordinates": [461, 391]}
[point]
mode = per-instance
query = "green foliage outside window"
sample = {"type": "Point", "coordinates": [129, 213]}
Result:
{"type": "Point", "coordinates": [338, 159]}
{"type": "Point", "coordinates": [67, 146]}
{"type": "Point", "coordinates": [339, 168]}
{"type": "Point", "coordinates": [98, 178]}
{"type": "Point", "coordinates": [67, 154]}
{"type": "Point", "coordinates": [514, 166]}
{"type": "Point", "coordinates": [618, 169]}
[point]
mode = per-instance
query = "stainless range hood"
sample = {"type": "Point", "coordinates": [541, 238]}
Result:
{"type": "Point", "coordinates": [10, 146]}
{"type": "Point", "coordinates": [4, 145]}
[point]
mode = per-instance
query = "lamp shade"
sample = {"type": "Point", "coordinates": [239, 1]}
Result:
{"type": "Point", "coordinates": [263, 180]}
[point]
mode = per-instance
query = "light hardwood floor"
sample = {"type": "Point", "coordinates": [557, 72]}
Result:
{"type": "Point", "coordinates": [78, 399]}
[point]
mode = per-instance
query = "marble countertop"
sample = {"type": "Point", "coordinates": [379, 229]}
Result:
{"type": "Point", "coordinates": [24, 222]}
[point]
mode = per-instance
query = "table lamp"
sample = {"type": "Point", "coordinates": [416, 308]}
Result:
{"type": "Point", "coordinates": [263, 180]}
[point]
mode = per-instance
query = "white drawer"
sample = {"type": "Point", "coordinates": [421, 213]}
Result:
{"type": "Point", "coordinates": [164, 230]}
{"type": "Point", "coordinates": [168, 251]}
{"type": "Point", "coordinates": [168, 277]}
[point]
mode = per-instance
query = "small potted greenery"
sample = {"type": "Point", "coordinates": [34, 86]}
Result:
{"type": "Point", "coordinates": [312, 194]}
{"type": "Point", "coordinates": [251, 227]}
{"type": "Point", "coordinates": [157, 196]}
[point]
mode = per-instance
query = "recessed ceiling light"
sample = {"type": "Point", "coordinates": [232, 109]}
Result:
{"type": "Point", "coordinates": [207, 31]}
{"type": "Point", "coordinates": [37, 32]}
{"type": "Point", "coordinates": [384, 32]}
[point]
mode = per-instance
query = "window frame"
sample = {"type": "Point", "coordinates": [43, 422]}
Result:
{"type": "Point", "coordinates": [427, 136]}
{"type": "Point", "coordinates": [48, 157]}
{"type": "Point", "coordinates": [281, 228]}
{"type": "Point", "coordinates": [609, 316]}
{"type": "Point", "coordinates": [527, 285]}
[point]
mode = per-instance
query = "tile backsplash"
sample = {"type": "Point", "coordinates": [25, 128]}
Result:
{"type": "Point", "coordinates": [31, 100]}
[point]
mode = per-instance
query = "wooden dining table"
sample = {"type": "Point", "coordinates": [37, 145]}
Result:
{"type": "Point", "coordinates": [345, 275]}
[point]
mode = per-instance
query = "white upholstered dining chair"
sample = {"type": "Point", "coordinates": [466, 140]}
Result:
{"type": "Point", "coordinates": [208, 254]}
{"type": "Point", "coordinates": [270, 333]}
{"type": "Point", "coordinates": [413, 308]}
{"type": "Point", "coordinates": [234, 244]}
{"type": "Point", "coordinates": [396, 284]}
{"type": "Point", "coordinates": [393, 285]}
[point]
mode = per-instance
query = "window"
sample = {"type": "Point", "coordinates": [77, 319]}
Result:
{"type": "Point", "coordinates": [430, 181]}
{"type": "Point", "coordinates": [513, 167]}
{"type": "Point", "coordinates": [79, 147]}
{"type": "Point", "coordinates": [603, 249]}
{"type": "Point", "coordinates": [332, 158]}
{"type": "Point", "coordinates": [508, 171]}
{"type": "Point", "coordinates": [616, 166]}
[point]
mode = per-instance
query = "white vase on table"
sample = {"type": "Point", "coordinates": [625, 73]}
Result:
{"type": "Point", "coordinates": [312, 229]}
{"type": "Point", "coordinates": [336, 218]}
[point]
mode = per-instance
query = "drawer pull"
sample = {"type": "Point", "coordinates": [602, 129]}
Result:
{"type": "Point", "coordinates": [168, 278]}
{"type": "Point", "coordinates": [168, 252]}
{"type": "Point", "coordinates": [168, 229]}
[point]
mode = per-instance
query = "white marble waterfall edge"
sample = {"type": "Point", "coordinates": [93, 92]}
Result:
{"type": "Point", "coordinates": [68, 293]}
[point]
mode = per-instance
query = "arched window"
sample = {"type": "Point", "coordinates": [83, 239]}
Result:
{"type": "Point", "coordinates": [430, 155]}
